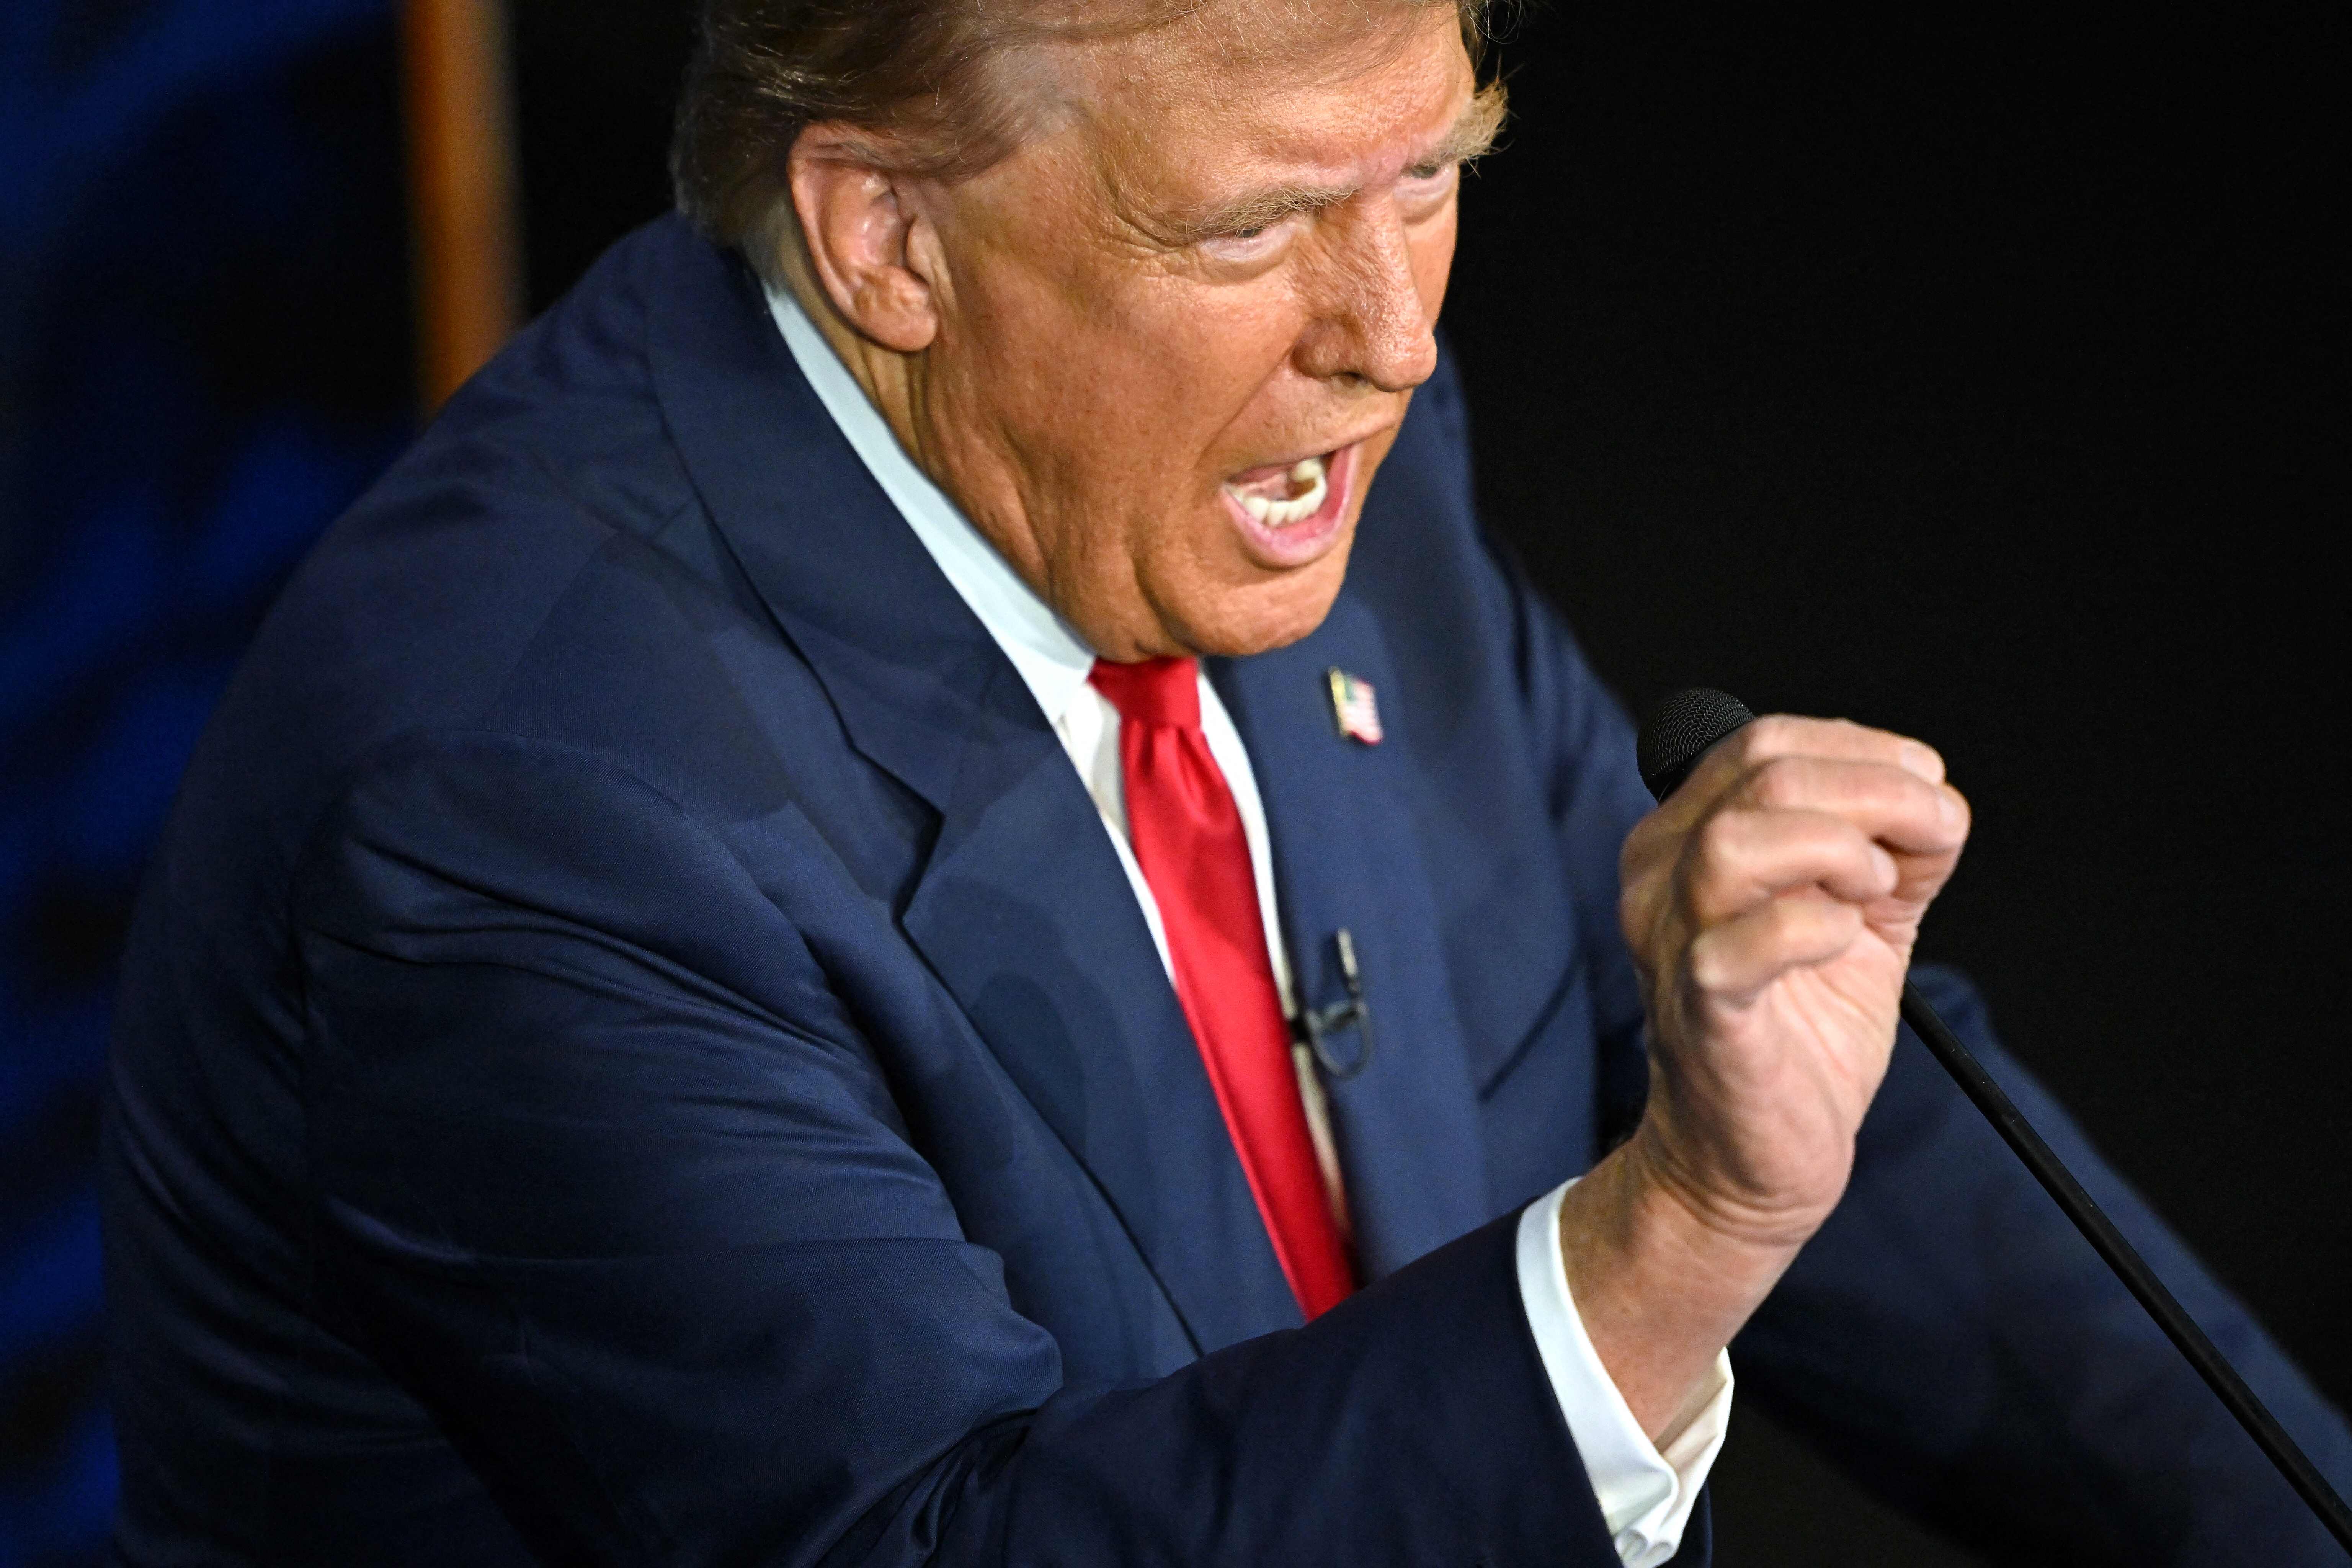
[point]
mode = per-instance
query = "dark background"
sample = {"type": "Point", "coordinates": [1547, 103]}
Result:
{"type": "Point", "coordinates": [204, 356]}
{"type": "Point", "coordinates": [1982, 377]}
{"type": "Point", "coordinates": [1976, 375]}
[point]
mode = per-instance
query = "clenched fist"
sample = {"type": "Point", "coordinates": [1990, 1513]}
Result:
{"type": "Point", "coordinates": [1770, 903]}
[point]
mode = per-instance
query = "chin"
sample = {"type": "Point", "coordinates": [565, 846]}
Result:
{"type": "Point", "coordinates": [1258, 617]}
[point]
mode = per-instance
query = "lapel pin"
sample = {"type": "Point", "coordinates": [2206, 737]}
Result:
{"type": "Point", "coordinates": [1354, 708]}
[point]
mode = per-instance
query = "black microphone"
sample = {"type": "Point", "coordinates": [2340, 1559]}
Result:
{"type": "Point", "coordinates": [1678, 734]}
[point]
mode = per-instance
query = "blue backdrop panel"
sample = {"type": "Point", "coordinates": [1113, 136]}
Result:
{"type": "Point", "coordinates": [203, 357]}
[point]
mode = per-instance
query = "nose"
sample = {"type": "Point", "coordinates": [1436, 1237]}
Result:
{"type": "Point", "coordinates": [1368, 323]}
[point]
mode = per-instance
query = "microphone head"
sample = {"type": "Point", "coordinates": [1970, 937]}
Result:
{"type": "Point", "coordinates": [1680, 729]}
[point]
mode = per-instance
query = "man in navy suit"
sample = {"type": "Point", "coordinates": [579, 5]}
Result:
{"type": "Point", "coordinates": [879, 909]}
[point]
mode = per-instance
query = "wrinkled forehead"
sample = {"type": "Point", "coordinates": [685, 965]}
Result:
{"type": "Point", "coordinates": [1335, 92]}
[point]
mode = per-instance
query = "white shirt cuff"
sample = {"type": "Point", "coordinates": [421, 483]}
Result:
{"type": "Point", "coordinates": [1646, 1490]}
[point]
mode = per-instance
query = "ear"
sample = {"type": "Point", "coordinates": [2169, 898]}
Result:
{"type": "Point", "coordinates": [858, 224]}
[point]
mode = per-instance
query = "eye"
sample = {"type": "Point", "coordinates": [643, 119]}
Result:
{"type": "Point", "coordinates": [1255, 243]}
{"type": "Point", "coordinates": [1425, 188]}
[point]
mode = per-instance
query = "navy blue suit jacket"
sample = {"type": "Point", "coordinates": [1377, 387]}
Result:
{"type": "Point", "coordinates": [636, 1049]}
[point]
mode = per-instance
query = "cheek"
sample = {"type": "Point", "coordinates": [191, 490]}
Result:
{"type": "Point", "coordinates": [1199, 362]}
{"type": "Point", "coordinates": [1114, 378]}
{"type": "Point", "coordinates": [1132, 379]}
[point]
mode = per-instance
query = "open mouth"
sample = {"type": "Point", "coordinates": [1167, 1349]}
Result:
{"type": "Point", "coordinates": [1291, 512]}
{"type": "Point", "coordinates": [1279, 497]}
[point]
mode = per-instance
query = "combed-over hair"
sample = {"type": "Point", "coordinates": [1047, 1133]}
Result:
{"type": "Point", "coordinates": [764, 69]}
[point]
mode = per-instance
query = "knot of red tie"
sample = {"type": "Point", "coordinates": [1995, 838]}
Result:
{"type": "Point", "coordinates": [1165, 692]}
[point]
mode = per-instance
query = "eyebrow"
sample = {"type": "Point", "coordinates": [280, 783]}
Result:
{"type": "Point", "coordinates": [1471, 136]}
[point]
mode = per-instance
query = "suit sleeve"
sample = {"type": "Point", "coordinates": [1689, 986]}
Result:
{"type": "Point", "coordinates": [1948, 1338]}
{"type": "Point", "coordinates": [1956, 1345]}
{"type": "Point", "coordinates": [604, 1172]}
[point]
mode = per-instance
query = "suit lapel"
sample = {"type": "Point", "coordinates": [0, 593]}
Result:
{"type": "Point", "coordinates": [1029, 920]}
{"type": "Point", "coordinates": [1346, 857]}
{"type": "Point", "coordinates": [1022, 910]}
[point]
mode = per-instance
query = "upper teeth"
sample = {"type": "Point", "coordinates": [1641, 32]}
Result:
{"type": "Point", "coordinates": [1307, 478]}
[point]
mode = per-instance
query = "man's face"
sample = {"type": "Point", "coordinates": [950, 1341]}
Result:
{"type": "Point", "coordinates": [1177, 333]}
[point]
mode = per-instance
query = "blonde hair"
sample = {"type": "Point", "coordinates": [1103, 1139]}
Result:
{"type": "Point", "coordinates": [919, 69]}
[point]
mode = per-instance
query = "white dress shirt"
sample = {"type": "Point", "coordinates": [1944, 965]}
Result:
{"type": "Point", "coordinates": [1646, 1490]}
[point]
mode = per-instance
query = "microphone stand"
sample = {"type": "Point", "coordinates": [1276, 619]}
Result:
{"type": "Point", "coordinates": [2128, 1266]}
{"type": "Point", "coordinates": [1676, 735]}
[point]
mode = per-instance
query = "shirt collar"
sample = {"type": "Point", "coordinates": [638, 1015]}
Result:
{"type": "Point", "coordinates": [1053, 660]}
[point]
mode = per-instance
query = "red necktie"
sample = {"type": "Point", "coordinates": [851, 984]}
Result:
{"type": "Point", "coordinates": [1188, 838]}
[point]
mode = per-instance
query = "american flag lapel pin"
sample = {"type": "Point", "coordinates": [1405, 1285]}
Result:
{"type": "Point", "coordinates": [1354, 707]}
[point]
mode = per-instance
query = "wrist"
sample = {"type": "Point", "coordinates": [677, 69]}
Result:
{"type": "Point", "coordinates": [1660, 1285]}
{"type": "Point", "coordinates": [1642, 1224]}
{"type": "Point", "coordinates": [1712, 1190]}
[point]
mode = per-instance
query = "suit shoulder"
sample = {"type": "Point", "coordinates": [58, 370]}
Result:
{"type": "Point", "coordinates": [539, 557]}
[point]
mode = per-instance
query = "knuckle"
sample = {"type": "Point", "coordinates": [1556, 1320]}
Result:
{"type": "Point", "coordinates": [1842, 847]}
{"type": "Point", "coordinates": [1768, 736]}
{"type": "Point", "coordinates": [1923, 758]}
{"type": "Point", "coordinates": [1710, 965]}
{"type": "Point", "coordinates": [1720, 841]}
{"type": "Point", "coordinates": [1779, 782]}
{"type": "Point", "coordinates": [1914, 794]}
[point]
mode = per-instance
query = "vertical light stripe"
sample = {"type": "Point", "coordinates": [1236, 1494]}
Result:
{"type": "Point", "coordinates": [466, 249]}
